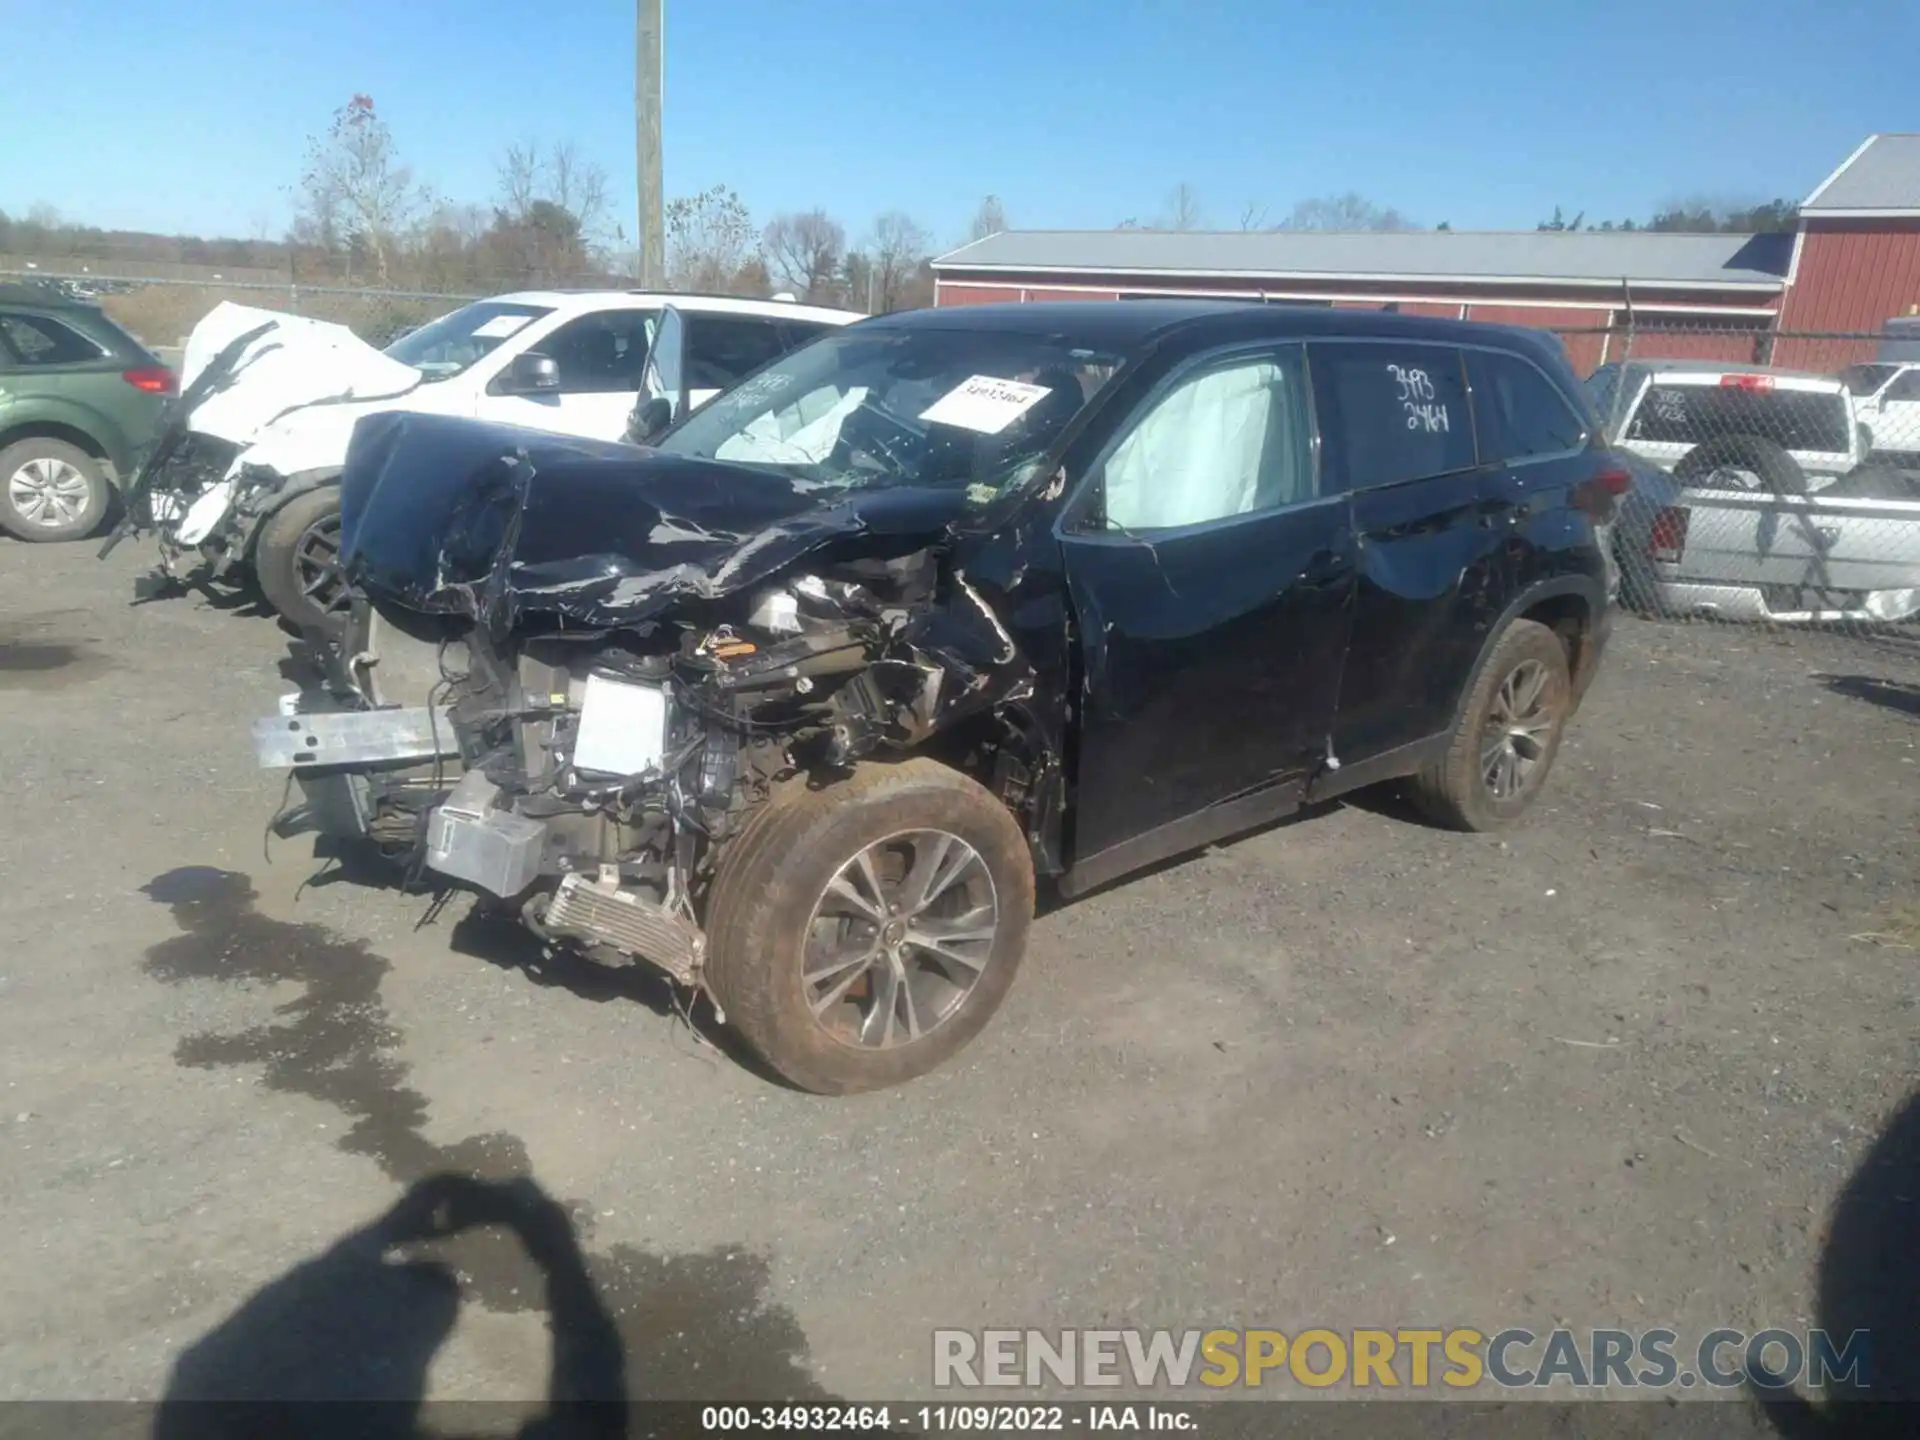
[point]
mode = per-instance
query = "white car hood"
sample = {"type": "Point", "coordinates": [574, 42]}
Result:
{"type": "Point", "coordinates": [296, 363]}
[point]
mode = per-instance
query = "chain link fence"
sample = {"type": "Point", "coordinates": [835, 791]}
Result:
{"type": "Point", "coordinates": [1776, 473]}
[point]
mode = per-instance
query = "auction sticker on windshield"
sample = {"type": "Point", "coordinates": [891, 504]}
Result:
{"type": "Point", "coordinates": [985, 404]}
{"type": "Point", "coordinates": [501, 326]}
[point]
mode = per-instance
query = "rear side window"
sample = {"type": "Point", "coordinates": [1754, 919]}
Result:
{"type": "Point", "coordinates": [1519, 413]}
{"type": "Point", "coordinates": [1393, 412]}
{"type": "Point", "coordinates": [1907, 387]}
{"type": "Point", "coordinates": [37, 340]}
{"type": "Point", "coordinates": [1670, 414]}
{"type": "Point", "coordinates": [722, 349]}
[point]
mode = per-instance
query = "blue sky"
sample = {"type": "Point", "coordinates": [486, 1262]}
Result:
{"type": "Point", "coordinates": [193, 116]}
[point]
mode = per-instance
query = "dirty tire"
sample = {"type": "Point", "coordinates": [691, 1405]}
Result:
{"type": "Point", "coordinates": [277, 558]}
{"type": "Point", "coordinates": [1453, 790]}
{"type": "Point", "coordinates": [82, 492]}
{"type": "Point", "coordinates": [777, 871]}
{"type": "Point", "coordinates": [1778, 472]}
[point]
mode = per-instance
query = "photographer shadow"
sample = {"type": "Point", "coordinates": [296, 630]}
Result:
{"type": "Point", "coordinates": [1869, 1282]}
{"type": "Point", "coordinates": [341, 1345]}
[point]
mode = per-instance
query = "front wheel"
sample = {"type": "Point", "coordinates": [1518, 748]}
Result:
{"type": "Point", "coordinates": [862, 933]}
{"type": "Point", "coordinates": [51, 490]}
{"type": "Point", "coordinates": [297, 560]}
{"type": "Point", "coordinates": [1508, 733]}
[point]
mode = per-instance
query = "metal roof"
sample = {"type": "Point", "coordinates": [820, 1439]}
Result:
{"type": "Point", "coordinates": [1882, 177]}
{"type": "Point", "coordinates": [1586, 257]}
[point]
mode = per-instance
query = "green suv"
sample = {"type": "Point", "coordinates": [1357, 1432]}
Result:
{"type": "Point", "coordinates": [79, 401]}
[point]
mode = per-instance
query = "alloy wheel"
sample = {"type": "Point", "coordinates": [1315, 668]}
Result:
{"type": "Point", "coordinates": [899, 939]}
{"type": "Point", "coordinates": [316, 564]}
{"type": "Point", "coordinates": [49, 492]}
{"type": "Point", "coordinates": [1518, 730]}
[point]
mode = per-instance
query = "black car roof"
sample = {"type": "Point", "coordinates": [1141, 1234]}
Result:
{"type": "Point", "coordinates": [1132, 324]}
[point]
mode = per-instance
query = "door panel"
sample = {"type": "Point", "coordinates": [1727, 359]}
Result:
{"type": "Point", "coordinates": [1429, 528]}
{"type": "Point", "coordinates": [1211, 585]}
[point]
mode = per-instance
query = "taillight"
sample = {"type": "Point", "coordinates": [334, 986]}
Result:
{"type": "Point", "coordinates": [1600, 492]}
{"type": "Point", "coordinates": [1667, 539]}
{"type": "Point", "coordinates": [154, 379]}
{"type": "Point", "coordinates": [1747, 382]}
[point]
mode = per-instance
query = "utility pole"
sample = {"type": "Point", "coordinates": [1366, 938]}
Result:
{"type": "Point", "coordinates": [647, 70]}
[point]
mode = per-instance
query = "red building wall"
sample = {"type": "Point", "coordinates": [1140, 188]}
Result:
{"type": "Point", "coordinates": [1853, 275]}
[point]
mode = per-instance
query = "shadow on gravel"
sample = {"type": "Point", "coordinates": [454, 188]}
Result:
{"type": "Point", "coordinates": [363, 1320]}
{"type": "Point", "coordinates": [685, 1323]}
{"type": "Point", "coordinates": [1869, 1281]}
{"type": "Point", "coordinates": [1897, 695]}
{"type": "Point", "coordinates": [37, 654]}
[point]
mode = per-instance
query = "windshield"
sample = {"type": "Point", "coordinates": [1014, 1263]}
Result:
{"type": "Point", "coordinates": [452, 343]}
{"type": "Point", "coordinates": [930, 407]}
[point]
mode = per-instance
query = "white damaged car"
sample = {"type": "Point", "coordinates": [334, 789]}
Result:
{"type": "Point", "coordinates": [245, 474]}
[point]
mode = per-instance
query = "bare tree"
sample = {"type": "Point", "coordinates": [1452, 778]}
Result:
{"type": "Point", "coordinates": [895, 251]}
{"type": "Point", "coordinates": [804, 252]}
{"type": "Point", "coordinates": [710, 238]}
{"type": "Point", "coordinates": [1344, 212]}
{"type": "Point", "coordinates": [989, 219]}
{"type": "Point", "coordinates": [529, 174]}
{"type": "Point", "coordinates": [354, 182]}
{"type": "Point", "coordinates": [1253, 216]}
{"type": "Point", "coordinates": [579, 187]}
{"type": "Point", "coordinates": [518, 169]}
{"type": "Point", "coordinates": [1183, 209]}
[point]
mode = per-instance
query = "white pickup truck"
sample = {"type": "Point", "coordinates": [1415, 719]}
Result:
{"type": "Point", "coordinates": [1750, 498]}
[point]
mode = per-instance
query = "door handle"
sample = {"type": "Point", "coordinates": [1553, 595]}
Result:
{"type": "Point", "coordinates": [1325, 571]}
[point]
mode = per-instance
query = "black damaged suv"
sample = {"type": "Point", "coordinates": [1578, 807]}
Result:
{"type": "Point", "coordinates": [799, 703]}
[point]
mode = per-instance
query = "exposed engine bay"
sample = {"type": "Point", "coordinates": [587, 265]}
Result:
{"type": "Point", "coordinates": [596, 778]}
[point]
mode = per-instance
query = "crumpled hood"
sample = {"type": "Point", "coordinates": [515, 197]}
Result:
{"type": "Point", "coordinates": [295, 362]}
{"type": "Point", "coordinates": [453, 516]}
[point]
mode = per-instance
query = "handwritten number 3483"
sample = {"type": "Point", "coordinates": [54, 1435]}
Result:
{"type": "Point", "coordinates": [1417, 398]}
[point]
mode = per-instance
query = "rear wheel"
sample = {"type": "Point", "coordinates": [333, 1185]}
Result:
{"type": "Point", "coordinates": [51, 490]}
{"type": "Point", "coordinates": [861, 934]}
{"type": "Point", "coordinates": [297, 560]}
{"type": "Point", "coordinates": [1508, 734]}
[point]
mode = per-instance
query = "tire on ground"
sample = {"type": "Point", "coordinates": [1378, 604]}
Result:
{"type": "Point", "coordinates": [275, 558]}
{"type": "Point", "coordinates": [1452, 789]}
{"type": "Point", "coordinates": [775, 872]}
{"type": "Point", "coordinates": [1778, 472]}
{"type": "Point", "coordinates": [99, 497]}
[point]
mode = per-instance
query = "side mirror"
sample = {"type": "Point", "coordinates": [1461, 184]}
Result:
{"type": "Point", "coordinates": [530, 373]}
{"type": "Point", "coordinates": [649, 418]}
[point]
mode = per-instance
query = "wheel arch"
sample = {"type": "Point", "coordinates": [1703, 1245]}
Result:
{"type": "Point", "coordinates": [1004, 750]}
{"type": "Point", "coordinates": [1569, 605]}
{"type": "Point", "coordinates": [47, 428]}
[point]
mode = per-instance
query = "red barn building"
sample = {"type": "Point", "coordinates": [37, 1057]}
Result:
{"type": "Point", "coordinates": [1853, 264]}
{"type": "Point", "coordinates": [1856, 257]}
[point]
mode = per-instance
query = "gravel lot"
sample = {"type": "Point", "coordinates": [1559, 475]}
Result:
{"type": "Point", "coordinates": [1616, 1068]}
